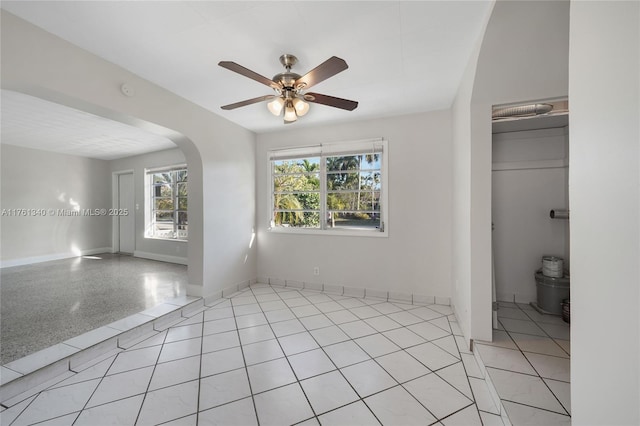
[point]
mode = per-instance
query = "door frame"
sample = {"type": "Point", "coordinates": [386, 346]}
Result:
{"type": "Point", "coordinates": [115, 198]}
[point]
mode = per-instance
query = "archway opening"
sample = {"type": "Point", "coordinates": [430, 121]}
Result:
{"type": "Point", "coordinates": [65, 268]}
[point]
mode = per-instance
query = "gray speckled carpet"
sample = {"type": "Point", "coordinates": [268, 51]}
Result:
{"type": "Point", "coordinates": [47, 303]}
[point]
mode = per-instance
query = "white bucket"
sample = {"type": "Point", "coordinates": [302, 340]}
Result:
{"type": "Point", "coordinates": [552, 266]}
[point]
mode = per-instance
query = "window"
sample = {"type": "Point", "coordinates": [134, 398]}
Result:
{"type": "Point", "coordinates": [167, 218]}
{"type": "Point", "coordinates": [296, 192]}
{"type": "Point", "coordinates": [336, 187]}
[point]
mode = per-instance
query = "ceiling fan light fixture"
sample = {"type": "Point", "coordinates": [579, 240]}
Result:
{"type": "Point", "coordinates": [289, 88]}
{"type": "Point", "coordinates": [301, 107]}
{"type": "Point", "coordinates": [275, 106]}
{"type": "Point", "coordinates": [290, 113]}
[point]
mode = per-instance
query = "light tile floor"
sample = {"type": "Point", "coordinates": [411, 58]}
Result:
{"type": "Point", "coordinates": [271, 355]}
{"type": "Point", "coordinates": [528, 364]}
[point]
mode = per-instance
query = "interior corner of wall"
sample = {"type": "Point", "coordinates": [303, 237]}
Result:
{"type": "Point", "coordinates": [463, 327]}
{"type": "Point", "coordinates": [195, 290]}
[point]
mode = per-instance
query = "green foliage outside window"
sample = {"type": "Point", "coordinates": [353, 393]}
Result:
{"type": "Point", "coordinates": [352, 191]}
{"type": "Point", "coordinates": [296, 195]}
{"type": "Point", "coordinates": [169, 204]}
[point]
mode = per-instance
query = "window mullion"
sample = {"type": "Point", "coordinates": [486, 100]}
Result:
{"type": "Point", "coordinates": [272, 203]}
{"type": "Point", "coordinates": [174, 190]}
{"type": "Point", "coordinates": [152, 201]}
{"type": "Point", "coordinates": [323, 193]}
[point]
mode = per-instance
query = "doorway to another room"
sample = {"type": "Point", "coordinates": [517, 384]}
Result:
{"type": "Point", "coordinates": [125, 218]}
{"type": "Point", "coordinates": [530, 211]}
{"type": "Point", "coordinates": [72, 269]}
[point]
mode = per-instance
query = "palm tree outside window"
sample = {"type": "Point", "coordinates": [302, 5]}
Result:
{"type": "Point", "coordinates": [168, 213]}
{"type": "Point", "coordinates": [328, 191]}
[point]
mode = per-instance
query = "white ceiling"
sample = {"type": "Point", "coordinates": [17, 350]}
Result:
{"type": "Point", "coordinates": [403, 56]}
{"type": "Point", "coordinates": [35, 123]}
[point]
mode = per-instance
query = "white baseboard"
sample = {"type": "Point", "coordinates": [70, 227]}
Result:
{"type": "Point", "coordinates": [160, 257]}
{"type": "Point", "coordinates": [54, 256]}
{"type": "Point", "coordinates": [516, 298]}
{"type": "Point", "coordinates": [409, 298]}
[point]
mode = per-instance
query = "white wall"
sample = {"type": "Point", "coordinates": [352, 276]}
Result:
{"type": "Point", "coordinates": [523, 57]}
{"type": "Point", "coordinates": [416, 256]}
{"type": "Point", "coordinates": [166, 250]}
{"type": "Point", "coordinates": [461, 199]}
{"type": "Point", "coordinates": [220, 154]}
{"type": "Point", "coordinates": [604, 96]}
{"type": "Point", "coordinates": [529, 179]}
{"type": "Point", "coordinates": [35, 179]}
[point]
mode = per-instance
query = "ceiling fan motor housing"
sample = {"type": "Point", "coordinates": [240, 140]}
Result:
{"type": "Point", "coordinates": [289, 87]}
{"type": "Point", "coordinates": [286, 79]}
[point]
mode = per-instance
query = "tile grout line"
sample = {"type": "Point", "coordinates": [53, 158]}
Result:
{"type": "Point", "coordinates": [199, 367]}
{"type": "Point", "coordinates": [151, 377]}
{"type": "Point", "coordinates": [360, 398]}
{"type": "Point", "coordinates": [464, 368]}
{"type": "Point", "coordinates": [472, 404]}
{"type": "Point", "coordinates": [25, 408]}
{"type": "Point", "coordinates": [431, 371]}
{"type": "Point", "coordinates": [398, 351]}
{"type": "Point", "coordinates": [538, 408]}
{"type": "Point", "coordinates": [351, 339]}
{"type": "Point", "coordinates": [310, 350]}
{"type": "Point", "coordinates": [532, 366]}
{"type": "Point", "coordinates": [53, 386]}
{"type": "Point", "coordinates": [173, 360]}
{"type": "Point", "coordinates": [244, 360]}
{"type": "Point", "coordinates": [295, 375]}
{"type": "Point", "coordinates": [269, 323]}
{"type": "Point", "coordinates": [518, 349]}
{"type": "Point", "coordinates": [545, 331]}
{"type": "Point", "coordinates": [534, 369]}
{"type": "Point", "coordinates": [95, 389]}
{"type": "Point", "coordinates": [521, 373]}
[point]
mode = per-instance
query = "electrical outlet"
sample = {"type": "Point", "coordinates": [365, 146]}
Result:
{"type": "Point", "coordinates": [316, 270]}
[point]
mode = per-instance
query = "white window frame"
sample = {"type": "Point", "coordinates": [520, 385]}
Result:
{"type": "Point", "coordinates": [379, 146]}
{"type": "Point", "coordinates": [149, 203]}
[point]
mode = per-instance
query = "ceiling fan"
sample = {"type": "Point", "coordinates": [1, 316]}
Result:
{"type": "Point", "coordinates": [290, 88]}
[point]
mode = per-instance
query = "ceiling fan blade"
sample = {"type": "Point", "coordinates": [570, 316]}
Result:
{"type": "Point", "coordinates": [328, 68]}
{"type": "Point", "coordinates": [248, 102]}
{"type": "Point", "coordinates": [232, 66]}
{"type": "Point", "coordinates": [331, 101]}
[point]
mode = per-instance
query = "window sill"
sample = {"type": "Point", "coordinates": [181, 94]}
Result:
{"type": "Point", "coordinates": [166, 239]}
{"type": "Point", "coordinates": [331, 232]}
